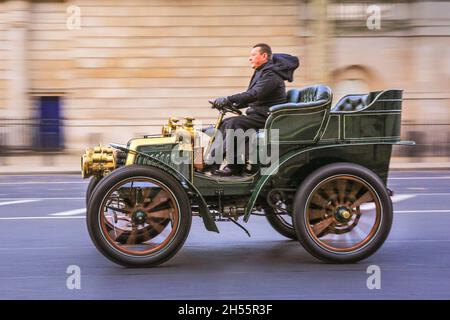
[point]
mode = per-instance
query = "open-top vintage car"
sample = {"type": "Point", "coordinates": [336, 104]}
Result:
{"type": "Point", "coordinates": [327, 188]}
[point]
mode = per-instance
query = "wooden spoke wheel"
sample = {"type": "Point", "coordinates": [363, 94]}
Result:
{"type": "Point", "coordinates": [139, 216]}
{"type": "Point", "coordinates": [343, 213]}
{"type": "Point", "coordinates": [122, 234]}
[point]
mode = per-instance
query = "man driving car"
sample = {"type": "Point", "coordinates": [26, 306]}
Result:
{"type": "Point", "coordinates": [266, 89]}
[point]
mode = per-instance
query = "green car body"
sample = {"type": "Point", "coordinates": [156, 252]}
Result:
{"type": "Point", "coordinates": [308, 138]}
{"type": "Point", "coordinates": [359, 129]}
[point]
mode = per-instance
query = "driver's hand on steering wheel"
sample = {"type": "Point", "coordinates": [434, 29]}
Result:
{"type": "Point", "coordinates": [221, 102]}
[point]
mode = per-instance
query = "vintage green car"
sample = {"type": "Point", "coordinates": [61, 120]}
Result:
{"type": "Point", "coordinates": [327, 188]}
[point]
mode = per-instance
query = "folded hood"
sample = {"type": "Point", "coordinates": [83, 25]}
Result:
{"type": "Point", "coordinates": [284, 65]}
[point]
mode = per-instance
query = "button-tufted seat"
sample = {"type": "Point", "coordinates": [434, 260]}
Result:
{"type": "Point", "coordinates": [303, 118]}
{"type": "Point", "coordinates": [354, 102]}
{"type": "Point", "coordinates": [305, 97]}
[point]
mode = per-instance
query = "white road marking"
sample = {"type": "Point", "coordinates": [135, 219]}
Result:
{"type": "Point", "coordinates": [37, 199]}
{"type": "Point", "coordinates": [431, 194]}
{"type": "Point", "coordinates": [41, 218]}
{"type": "Point", "coordinates": [419, 178]}
{"type": "Point", "coordinates": [395, 199]}
{"type": "Point", "coordinates": [45, 248]}
{"type": "Point", "coordinates": [82, 217]}
{"type": "Point", "coordinates": [418, 240]}
{"type": "Point", "coordinates": [43, 182]}
{"type": "Point", "coordinates": [7, 203]}
{"type": "Point", "coordinates": [83, 198]}
{"type": "Point", "coordinates": [69, 213]}
{"type": "Point", "coordinates": [401, 197]}
{"type": "Point", "coordinates": [424, 211]}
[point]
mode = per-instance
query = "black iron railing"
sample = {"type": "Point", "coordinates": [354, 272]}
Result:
{"type": "Point", "coordinates": [30, 134]}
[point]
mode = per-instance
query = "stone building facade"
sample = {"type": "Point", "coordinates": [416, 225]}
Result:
{"type": "Point", "coordinates": [121, 68]}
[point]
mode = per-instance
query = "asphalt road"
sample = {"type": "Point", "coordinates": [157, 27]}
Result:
{"type": "Point", "coordinates": [43, 232]}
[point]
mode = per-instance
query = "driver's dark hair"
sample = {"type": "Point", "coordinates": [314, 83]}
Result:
{"type": "Point", "coordinates": [264, 48]}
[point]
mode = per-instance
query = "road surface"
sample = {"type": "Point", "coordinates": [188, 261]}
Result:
{"type": "Point", "coordinates": [43, 232]}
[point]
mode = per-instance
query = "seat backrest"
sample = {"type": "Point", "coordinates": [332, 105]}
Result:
{"type": "Point", "coordinates": [303, 118]}
{"type": "Point", "coordinates": [351, 103]}
{"type": "Point", "coordinates": [309, 94]}
{"type": "Point", "coordinates": [293, 96]}
{"type": "Point", "coordinates": [354, 102]}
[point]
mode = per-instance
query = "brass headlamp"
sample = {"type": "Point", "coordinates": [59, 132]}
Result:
{"type": "Point", "coordinates": [97, 161]}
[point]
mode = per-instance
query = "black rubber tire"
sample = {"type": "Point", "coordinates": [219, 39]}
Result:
{"type": "Point", "coordinates": [279, 226]}
{"type": "Point", "coordinates": [129, 260]}
{"type": "Point", "coordinates": [315, 179]}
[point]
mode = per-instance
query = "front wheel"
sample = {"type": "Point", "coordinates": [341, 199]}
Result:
{"type": "Point", "coordinates": [342, 213]}
{"type": "Point", "coordinates": [147, 205]}
{"type": "Point", "coordinates": [91, 186]}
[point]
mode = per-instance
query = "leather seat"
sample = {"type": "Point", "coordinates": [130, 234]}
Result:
{"type": "Point", "coordinates": [351, 103]}
{"type": "Point", "coordinates": [293, 95]}
{"type": "Point", "coordinates": [354, 102]}
{"type": "Point", "coordinates": [303, 118]}
{"type": "Point", "coordinates": [319, 96]}
{"type": "Point", "coordinates": [305, 97]}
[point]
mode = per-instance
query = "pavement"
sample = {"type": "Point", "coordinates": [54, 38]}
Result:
{"type": "Point", "coordinates": [43, 233]}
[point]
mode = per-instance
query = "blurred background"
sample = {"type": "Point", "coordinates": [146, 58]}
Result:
{"type": "Point", "coordinates": [77, 73]}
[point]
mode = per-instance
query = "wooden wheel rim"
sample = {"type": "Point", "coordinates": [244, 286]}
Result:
{"type": "Point", "coordinates": [376, 220]}
{"type": "Point", "coordinates": [103, 221]}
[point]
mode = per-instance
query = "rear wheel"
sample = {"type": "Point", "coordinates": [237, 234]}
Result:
{"type": "Point", "coordinates": [139, 216]}
{"type": "Point", "coordinates": [342, 213]}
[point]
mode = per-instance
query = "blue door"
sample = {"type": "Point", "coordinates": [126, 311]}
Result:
{"type": "Point", "coordinates": [50, 137]}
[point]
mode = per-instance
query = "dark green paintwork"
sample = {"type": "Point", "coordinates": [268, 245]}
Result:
{"type": "Point", "coordinates": [211, 185]}
{"type": "Point", "coordinates": [165, 152]}
{"type": "Point", "coordinates": [298, 127]}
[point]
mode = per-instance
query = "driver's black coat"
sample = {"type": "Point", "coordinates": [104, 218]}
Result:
{"type": "Point", "coordinates": [267, 87]}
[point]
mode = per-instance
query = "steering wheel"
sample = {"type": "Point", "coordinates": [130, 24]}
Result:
{"type": "Point", "coordinates": [228, 108]}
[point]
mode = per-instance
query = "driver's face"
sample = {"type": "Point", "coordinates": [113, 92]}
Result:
{"type": "Point", "coordinates": [256, 58]}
